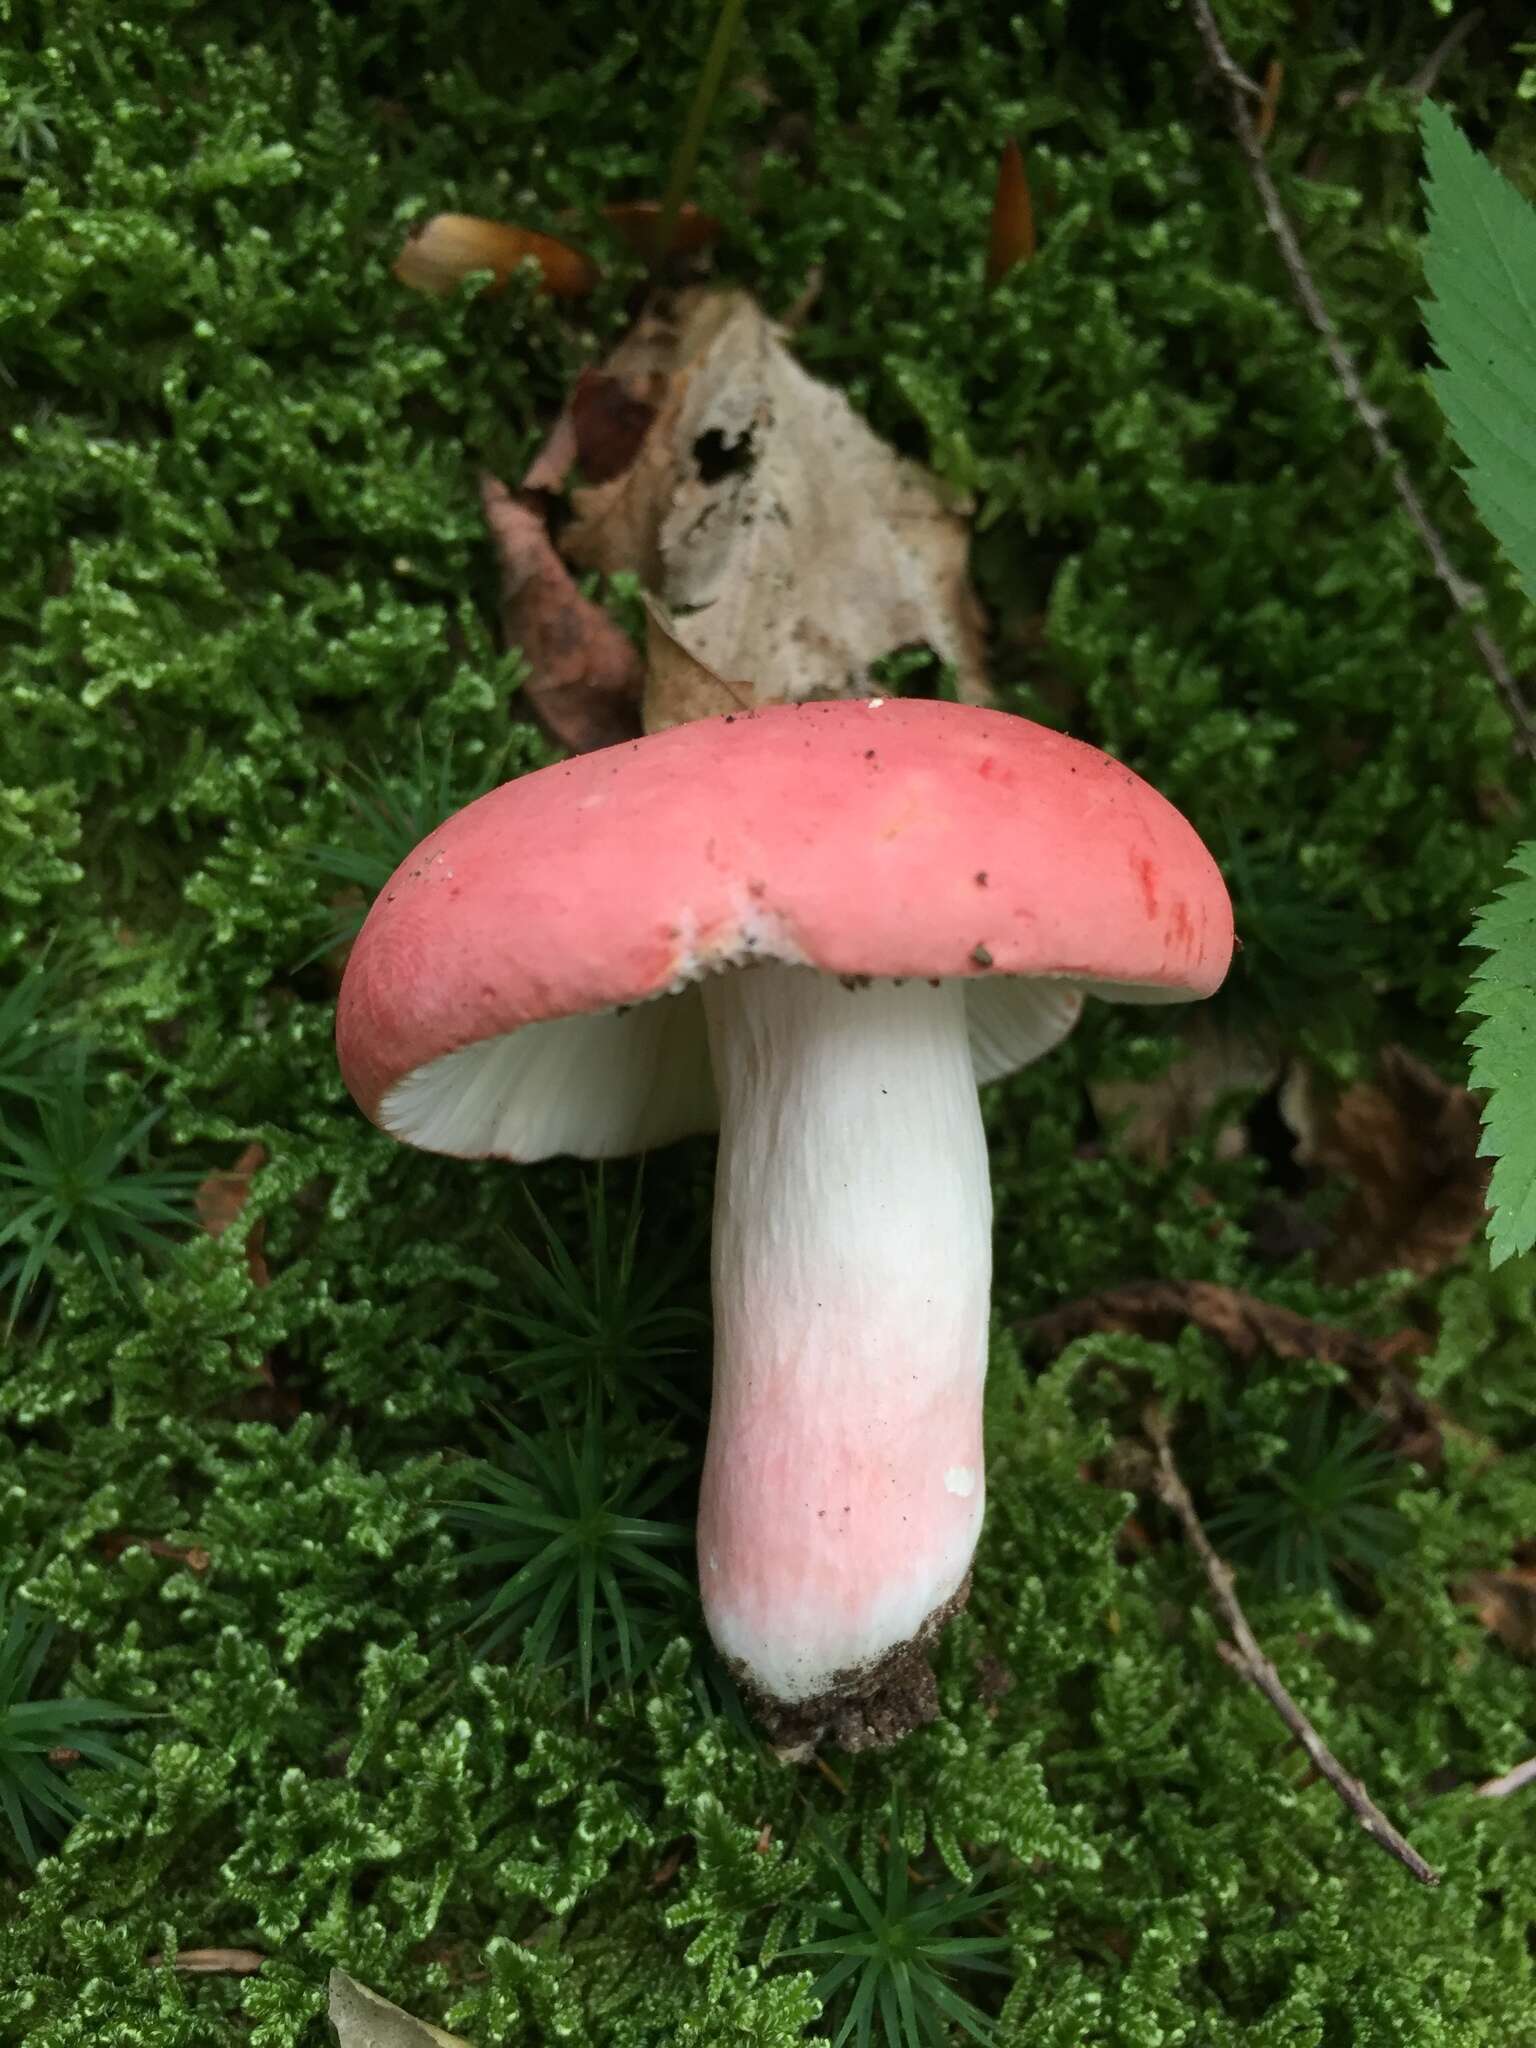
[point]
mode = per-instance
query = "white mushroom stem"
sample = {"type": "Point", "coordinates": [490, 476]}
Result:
{"type": "Point", "coordinates": [842, 1491]}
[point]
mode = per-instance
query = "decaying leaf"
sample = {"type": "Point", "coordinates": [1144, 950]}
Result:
{"type": "Point", "coordinates": [788, 543]}
{"type": "Point", "coordinates": [1505, 1603]}
{"type": "Point", "coordinates": [609, 423]}
{"type": "Point", "coordinates": [1245, 1323]}
{"type": "Point", "coordinates": [193, 1556]}
{"type": "Point", "coordinates": [638, 222]}
{"type": "Point", "coordinates": [1408, 1142]}
{"type": "Point", "coordinates": [364, 2020]}
{"type": "Point", "coordinates": [1154, 1119]}
{"type": "Point", "coordinates": [221, 1200]}
{"type": "Point", "coordinates": [1264, 119]}
{"type": "Point", "coordinates": [1011, 239]}
{"type": "Point", "coordinates": [1248, 1326]}
{"type": "Point", "coordinates": [452, 246]}
{"type": "Point", "coordinates": [678, 686]}
{"type": "Point", "coordinates": [597, 436]}
{"type": "Point", "coordinates": [213, 1962]}
{"type": "Point", "coordinates": [585, 678]}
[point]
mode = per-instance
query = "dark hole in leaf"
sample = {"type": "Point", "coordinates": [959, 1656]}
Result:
{"type": "Point", "coordinates": [718, 457]}
{"type": "Point", "coordinates": [914, 669]}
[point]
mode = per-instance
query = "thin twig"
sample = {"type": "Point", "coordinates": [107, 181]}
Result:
{"type": "Point", "coordinates": [1463, 594]}
{"type": "Point", "coordinates": [686, 157]}
{"type": "Point", "coordinates": [1512, 1781]}
{"type": "Point", "coordinates": [1244, 1655]}
{"type": "Point", "coordinates": [1423, 80]}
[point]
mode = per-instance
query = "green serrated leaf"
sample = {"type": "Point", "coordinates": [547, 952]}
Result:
{"type": "Point", "coordinates": [1480, 265]}
{"type": "Point", "coordinates": [1503, 994]}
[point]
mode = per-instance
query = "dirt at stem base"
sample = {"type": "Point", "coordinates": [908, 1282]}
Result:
{"type": "Point", "coordinates": [869, 1706]}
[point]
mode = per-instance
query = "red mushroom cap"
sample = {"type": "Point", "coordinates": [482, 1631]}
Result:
{"type": "Point", "coordinates": [894, 838]}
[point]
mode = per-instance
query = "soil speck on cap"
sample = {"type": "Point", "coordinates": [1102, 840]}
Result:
{"type": "Point", "coordinates": [981, 956]}
{"type": "Point", "coordinates": [981, 878]}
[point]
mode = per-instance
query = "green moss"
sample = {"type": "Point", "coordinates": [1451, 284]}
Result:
{"type": "Point", "coordinates": [241, 562]}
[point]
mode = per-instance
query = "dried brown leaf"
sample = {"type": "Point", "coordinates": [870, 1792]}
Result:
{"type": "Point", "coordinates": [213, 1962]}
{"type": "Point", "coordinates": [609, 422]}
{"type": "Point", "coordinates": [1249, 1326]}
{"type": "Point", "coordinates": [1505, 1604]}
{"type": "Point", "coordinates": [363, 2019]}
{"type": "Point", "coordinates": [678, 686]}
{"type": "Point", "coordinates": [586, 676]}
{"type": "Point", "coordinates": [638, 222]}
{"type": "Point", "coordinates": [601, 429]}
{"type": "Point", "coordinates": [788, 543]}
{"type": "Point", "coordinates": [1011, 238]}
{"type": "Point", "coordinates": [221, 1200]}
{"type": "Point", "coordinates": [451, 246]}
{"type": "Point", "coordinates": [1409, 1144]}
{"type": "Point", "coordinates": [1264, 119]}
{"type": "Point", "coordinates": [1162, 1115]}
{"type": "Point", "coordinates": [1245, 1323]}
{"type": "Point", "coordinates": [671, 1863]}
{"type": "Point", "coordinates": [193, 1556]}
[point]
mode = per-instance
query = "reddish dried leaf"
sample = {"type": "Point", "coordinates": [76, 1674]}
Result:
{"type": "Point", "coordinates": [638, 222]}
{"type": "Point", "coordinates": [554, 462]}
{"type": "Point", "coordinates": [1505, 1604]}
{"type": "Point", "coordinates": [1264, 120]}
{"type": "Point", "coordinates": [221, 1200]}
{"type": "Point", "coordinates": [1409, 1142]}
{"type": "Point", "coordinates": [213, 1962]}
{"type": "Point", "coordinates": [1011, 239]}
{"type": "Point", "coordinates": [671, 1864]}
{"type": "Point", "coordinates": [610, 422]}
{"type": "Point", "coordinates": [601, 429]}
{"type": "Point", "coordinates": [586, 674]}
{"type": "Point", "coordinates": [194, 1557]}
{"type": "Point", "coordinates": [222, 1197]}
{"type": "Point", "coordinates": [450, 246]}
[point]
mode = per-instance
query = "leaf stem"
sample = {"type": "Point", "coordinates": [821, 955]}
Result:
{"type": "Point", "coordinates": [686, 157]}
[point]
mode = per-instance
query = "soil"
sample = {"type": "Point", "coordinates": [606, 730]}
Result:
{"type": "Point", "coordinates": [868, 1706]}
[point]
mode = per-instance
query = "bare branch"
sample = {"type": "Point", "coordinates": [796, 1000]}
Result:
{"type": "Point", "coordinates": [1244, 1655]}
{"type": "Point", "coordinates": [1464, 595]}
{"type": "Point", "coordinates": [1512, 1781]}
{"type": "Point", "coordinates": [1423, 80]}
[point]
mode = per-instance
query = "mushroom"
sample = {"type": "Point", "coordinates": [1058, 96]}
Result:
{"type": "Point", "coordinates": [816, 927]}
